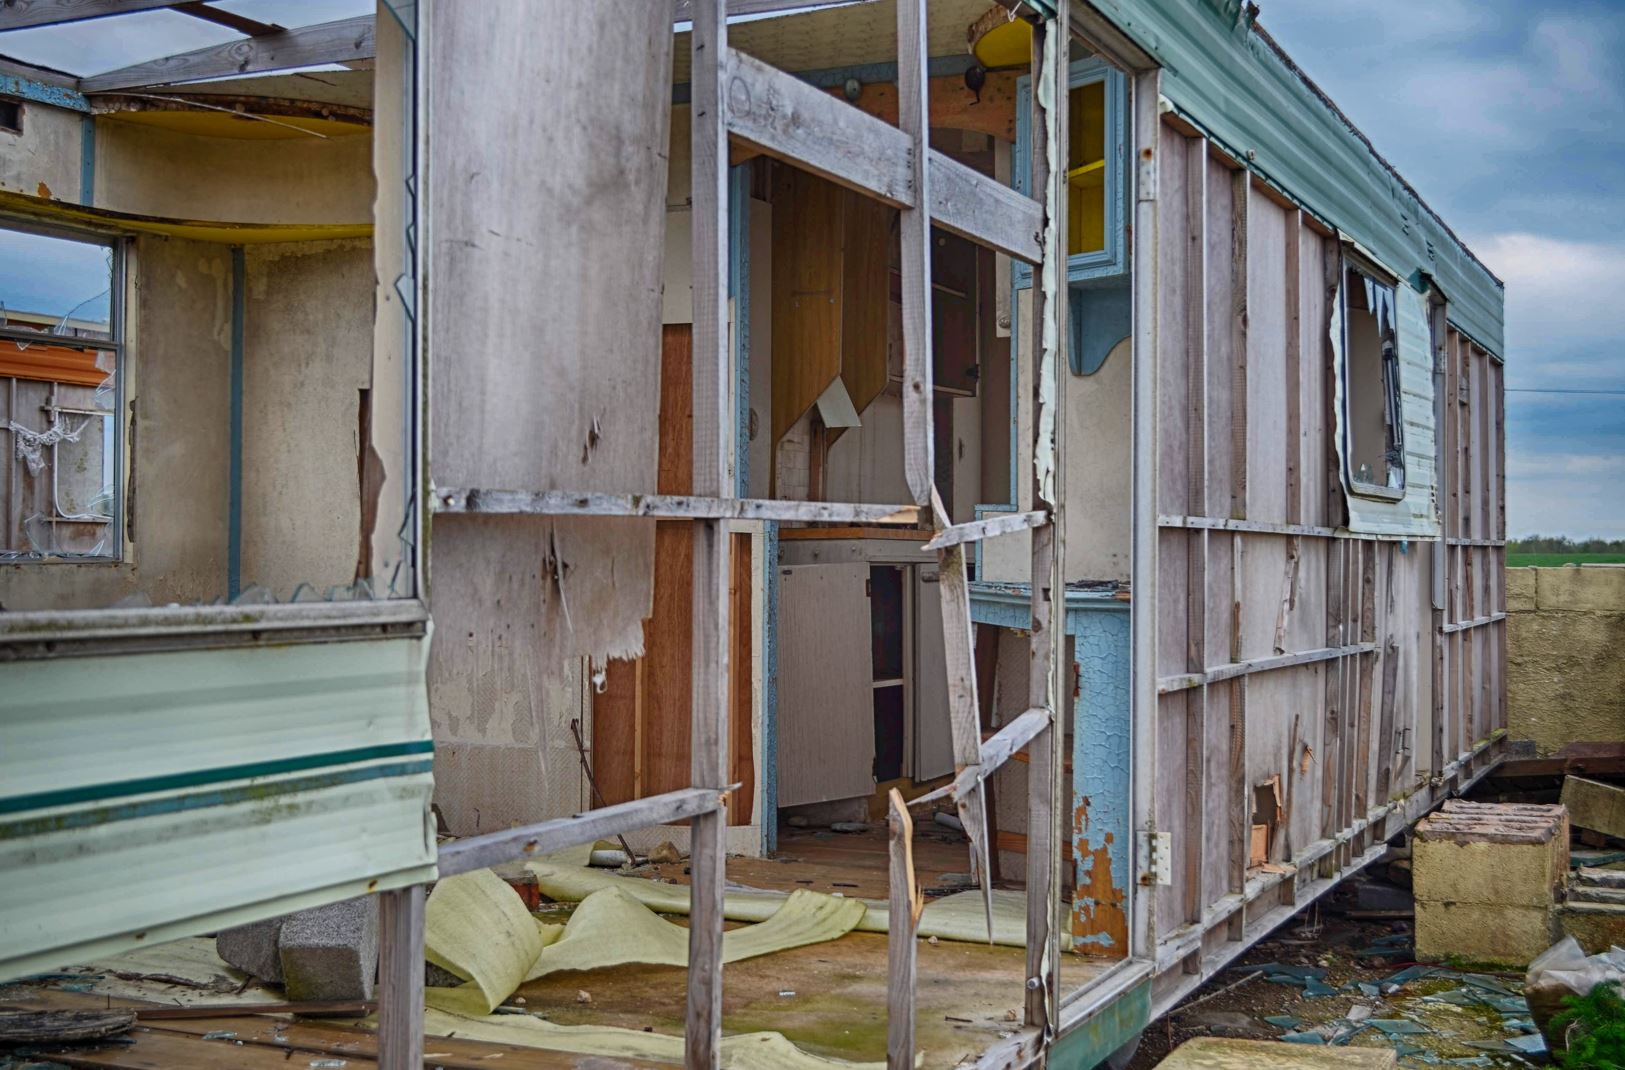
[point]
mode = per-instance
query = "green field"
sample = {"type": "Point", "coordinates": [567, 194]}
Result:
{"type": "Point", "coordinates": [1554, 560]}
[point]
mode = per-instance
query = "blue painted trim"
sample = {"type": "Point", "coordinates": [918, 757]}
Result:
{"type": "Point", "coordinates": [174, 804]}
{"type": "Point", "coordinates": [833, 77]}
{"type": "Point", "coordinates": [1100, 317]}
{"type": "Point", "coordinates": [1091, 1042]}
{"type": "Point", "coordinates": [739, 290]}
{"type": "Point", "coordinates": [1102, 760]}
{"type": "Point", "coordinates": [87, 161]}
{"type": "Point", "coordinates": [770, 688]}
{"type": "Point", "coordinates": [58, 96]}
{"type": "Point", "coordinates": [1111, 261]}
{"type": "Point", "coordinates": [234, 528]}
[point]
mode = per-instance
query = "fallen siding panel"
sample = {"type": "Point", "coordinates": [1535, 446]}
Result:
{"type": "Point", "coordinates": [279, 777]}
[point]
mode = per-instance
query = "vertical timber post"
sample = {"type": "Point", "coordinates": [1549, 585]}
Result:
{"type": "Point", "coordinates": [919, 464]}
{"type": "Point", "coordinates": [1047, 667]}
{"type": "Point", "coordinates": [1143, 613]}
{"type": "Point", "coordinates": [713, 441]}
{"type": "Point", "coordinates": [905, 904]}
{"type": "Point", "coordinates": [400, 978]}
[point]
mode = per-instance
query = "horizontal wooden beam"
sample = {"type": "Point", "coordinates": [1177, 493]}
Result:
{"type": "Point", "coordinates": [984, 210]}
{"type": "Point", "coordinates": [997, 749]}
{"type": "Point", "coordinates": [797, 122]}
{"type": "Point", "coordinates": [329, 42]}
{"type": "Point", "coordinates": [1185, 681]}
{"type": "Point", "coordinates": [21, 14]}
{"type": "Point", "coordinates": [1483, 543]}
{"type": "Point", "coordinates": [986, 528]}
{"type": "Point", "coordinates": [665, 507]}
{"type": "Point", "coordinates": [1260, 527]}
{"type": "Point", "coordinates": [1468, 625]}
{"type": "Point", "coordinates": [528, 841]}
{"type": "Point", "coordinates": [685, 8]}
{"type": "Point", "coordinates": [229, 19]}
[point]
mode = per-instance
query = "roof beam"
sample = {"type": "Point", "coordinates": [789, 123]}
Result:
{"type": "Point", "coordinates": [21, 14]}
{"type": "Point", "coordinates": [685, 8]}
{"type": "Point", "coordinates": [327, 42]}
{"type": "Point", "coordinates": [241, 23]}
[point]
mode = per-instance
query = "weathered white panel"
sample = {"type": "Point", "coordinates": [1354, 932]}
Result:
{"type": "Point", "coordinates": [43, 160]}
{"type": "Point", "coordinates": [544, 236]}
{"type": "Point", "coordinates": [826, 706]}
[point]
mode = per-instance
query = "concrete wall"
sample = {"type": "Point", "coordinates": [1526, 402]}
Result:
{"type": "Point", "coordinates": [307, 355]}
{"type": "Point", "coordinates": [43, 160]}
{"type": "Point", "coordinates": [1565, 672]}
{"type": "Point", "coordinates": [178, 390]}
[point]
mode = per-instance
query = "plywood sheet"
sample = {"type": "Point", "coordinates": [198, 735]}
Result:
{"type": "Point", "coordinates": [544, 316]}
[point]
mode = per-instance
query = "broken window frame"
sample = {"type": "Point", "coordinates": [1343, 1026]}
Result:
{"type": "Point", "coordinates": [117, 550]}
{"type": "Point", "coordinates": [1376, 278]}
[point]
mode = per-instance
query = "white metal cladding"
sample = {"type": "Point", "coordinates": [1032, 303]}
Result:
{"type": "Point", "coordinates": [273, 777]}
{"type": "Point", "coordinates": [1417, 512]}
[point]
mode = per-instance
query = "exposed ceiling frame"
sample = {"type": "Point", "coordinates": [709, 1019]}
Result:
{"type": "Point", "coordinates": [344, 41]}
{"type": "Point", "coordinates": [21, 14]}
{"type": "Point", "coordinates": [241, 23]}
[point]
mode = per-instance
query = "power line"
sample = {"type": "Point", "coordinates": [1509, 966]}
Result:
{"type": "Point", "coordinates": [1549, 390]}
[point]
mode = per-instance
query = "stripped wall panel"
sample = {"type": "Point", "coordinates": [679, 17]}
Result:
{"type": "Point", "coordinates": [556, 391]}
{"type": "Point", "coordinates": [1294, 657]}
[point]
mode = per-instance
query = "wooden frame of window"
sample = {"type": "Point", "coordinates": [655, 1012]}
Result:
{"type": "Point", "coordinates": [1393, 398]}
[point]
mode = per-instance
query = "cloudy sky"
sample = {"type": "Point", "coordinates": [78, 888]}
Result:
{"type": "Point", "coordinates": [1508, 116]}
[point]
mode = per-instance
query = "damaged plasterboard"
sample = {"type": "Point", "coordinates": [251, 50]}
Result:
{"type": "Point", "coordinates": [544, 313]}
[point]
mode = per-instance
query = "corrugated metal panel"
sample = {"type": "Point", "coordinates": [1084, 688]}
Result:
{"type": "Point", "coordinates": [152, 796]}
{"type": "Point", "coordinates": [1230, 79]}
{"type": "Point", "coordinates": [1417, 512]}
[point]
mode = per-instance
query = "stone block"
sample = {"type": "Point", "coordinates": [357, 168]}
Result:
{"type": "Point", "coordinates": [1597, 926]}
{"type": "Point", "coordinates": [1216, 1053]}
{"type": "Point", "coordinates": [1582, 589]}
{"type": "Point", "coordinates": [1486, 877]}
{"type": "Point", "coordinates": [1484, 932]}
{"type": "Point", "coordinates": [252, 948]}
{"type": "Point", "coordinates": [1521, 590]}
{"type": "Point", "coordinates": [331, 952]}
{"type": "Point", "coordinates": [1499, 854]}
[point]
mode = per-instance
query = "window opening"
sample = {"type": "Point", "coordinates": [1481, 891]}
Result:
{"type": "Point", "coordinates": [59, 393]}
{"type": "Point", "coordinates": [1376, 430]}
{"type": "Point", "coordinates": [11, 115]}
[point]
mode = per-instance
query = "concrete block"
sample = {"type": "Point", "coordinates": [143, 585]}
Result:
{"type": "Point", "coordinates": [1481, 932]}
{"type": "Point", "coordinates": [1594, 805]}
{"type": "Point", "coordinates": [1582, 589]}
{"type": "Point", "coordinates": [252, 948]}
{"type": "Point", "coordinates": [1521, 590]}
{"type": "Point", "coordinates": [1486, 877]}
{"type": "Point", "coordinates": [331, 952]}
{"type": "Point", "coordinates": [1506, 854]}
{"type": "Point", "coordinates": [1217, 1053]}
{"type": "Point", "coordinates": [1597, 926]}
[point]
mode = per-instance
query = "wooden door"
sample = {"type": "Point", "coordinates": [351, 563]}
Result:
{"type": "Point", "coordinates": [826, 720]}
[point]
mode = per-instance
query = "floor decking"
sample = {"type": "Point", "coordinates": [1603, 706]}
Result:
{"type": "Point", "coordinates": [829, 998]}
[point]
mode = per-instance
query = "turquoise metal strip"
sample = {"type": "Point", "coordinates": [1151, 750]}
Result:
{"type": "Point", "coordinates": [739, 290]}
{"type": "Point", "coordinates": [770, 689]}
{"type": "Point", "coordinates": [175, 804]}
{"type": "Point", "coordinates": [198, 777]}
{"type": "Point", "coordinates": [87, 160]}
{"type": "Point", "coordinates": [234, 528]}
{"type": "Point", "coordinates": [57, 96]}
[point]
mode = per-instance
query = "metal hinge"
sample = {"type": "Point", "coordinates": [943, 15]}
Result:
{"type": "Point", "coordinates": [1157, 858]}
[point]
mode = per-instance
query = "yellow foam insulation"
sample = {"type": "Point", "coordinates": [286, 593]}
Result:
{"type": "Point", "coordinates": [477, 927]}
{"type": "Point", "coordinates": [745, 1051]}
{"type": "Point", "coordinates": [955, 917]}
{"type": "Point", "coordinates": [611, 928]}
